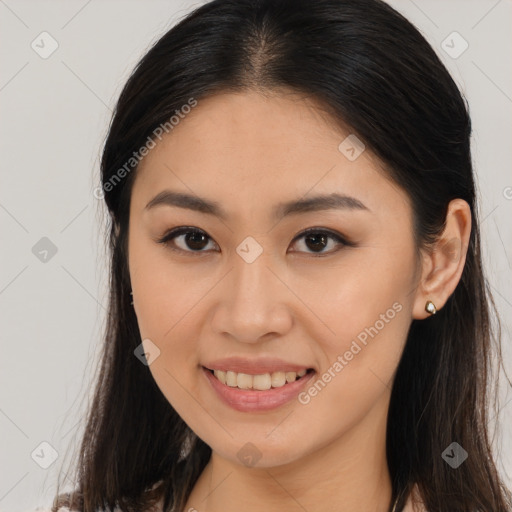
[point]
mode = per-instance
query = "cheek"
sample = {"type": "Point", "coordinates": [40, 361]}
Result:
{"type": "Point", "coordinates": [167, 301]}
{"type": "Point", "coordinates": [166, 290]}
{"type": "Point", "coordinates": [359, 361]}
{"type": "Point", "coordinates": [169, 320]}
{"type": "Point", "coordinates": [366, 306]}
{"type": "Point", "coordinates": [171, 325]}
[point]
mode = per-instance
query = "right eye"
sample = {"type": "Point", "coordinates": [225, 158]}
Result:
{"type": "Point", "coordinates": [185, 239]}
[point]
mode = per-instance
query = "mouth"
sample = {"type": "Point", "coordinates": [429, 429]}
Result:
{"type": "Point", "coordinates": [260, 392]}
{"type": "Point", "coordinates": [259, 382]}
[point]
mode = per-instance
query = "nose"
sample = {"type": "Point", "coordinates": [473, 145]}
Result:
{"type": "Point", "coordinates": [254, 302]}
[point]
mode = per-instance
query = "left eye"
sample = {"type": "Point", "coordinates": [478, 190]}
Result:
{"type": "Point", "coordinates": [317, 239]}
{"type": "Point", "coordinates": [187, 239]}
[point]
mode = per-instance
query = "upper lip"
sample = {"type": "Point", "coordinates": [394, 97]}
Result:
{"type": "Point", "coordinates": [254, 366]}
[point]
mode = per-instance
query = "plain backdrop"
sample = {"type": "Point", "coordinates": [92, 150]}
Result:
{"type": "Point", "coordinates": [55, 109]}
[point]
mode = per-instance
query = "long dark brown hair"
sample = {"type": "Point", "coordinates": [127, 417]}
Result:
{"type": "Point", "coordinates": [373, 71]}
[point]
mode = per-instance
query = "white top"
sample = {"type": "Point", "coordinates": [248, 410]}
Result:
{"type": "Point", "coordinates": [410, 506]}
{"type": "Point", "coordinates": [42, 509]}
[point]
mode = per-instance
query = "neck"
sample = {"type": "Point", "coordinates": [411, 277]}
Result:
{"type": "Point", "coordinates": [349, 473]}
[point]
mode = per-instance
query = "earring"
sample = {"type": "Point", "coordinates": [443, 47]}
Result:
{"type": "Point", "coordinates": [430, 307]}
{"type": "Point", "coordinates": [131, 293]}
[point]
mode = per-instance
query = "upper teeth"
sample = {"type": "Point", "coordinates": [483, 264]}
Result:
{"type": "Point", "coordinates": [259, 382]}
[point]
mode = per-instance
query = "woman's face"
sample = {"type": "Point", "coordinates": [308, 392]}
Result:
{"type": "Point", "coordinates": [251, 295]}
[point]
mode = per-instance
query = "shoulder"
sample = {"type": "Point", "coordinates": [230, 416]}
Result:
{"type": "Point", "coordinates": [73, 502]}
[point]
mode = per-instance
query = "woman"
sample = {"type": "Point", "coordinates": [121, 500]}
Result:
{"type": "Point", "coordinates": [298, 316]}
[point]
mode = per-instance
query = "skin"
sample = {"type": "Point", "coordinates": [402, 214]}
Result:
{"type": "Point", "coordinates": [249, 152]}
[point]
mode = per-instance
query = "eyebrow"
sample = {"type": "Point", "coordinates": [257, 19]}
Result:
{"type": "Point", "coordinates": [323, 202]}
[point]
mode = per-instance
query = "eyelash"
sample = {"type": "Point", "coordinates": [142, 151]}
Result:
{"type": "Point", "coordinates": [174, 233]}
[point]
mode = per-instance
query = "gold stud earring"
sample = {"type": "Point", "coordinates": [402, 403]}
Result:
{"type": "Point", "coordinates": [430, 307]}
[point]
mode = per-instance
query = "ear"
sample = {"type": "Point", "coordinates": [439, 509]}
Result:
{"type": "Point", "coordinates": [443, 264]}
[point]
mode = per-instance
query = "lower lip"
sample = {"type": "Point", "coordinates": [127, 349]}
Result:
{"type": "Point", "coordinates": [251, 401]}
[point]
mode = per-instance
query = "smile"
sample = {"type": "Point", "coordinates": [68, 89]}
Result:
{"type": "Point", "coordinates": [260, 392]}
{"type": "Point", "coordinates": [261, 382]}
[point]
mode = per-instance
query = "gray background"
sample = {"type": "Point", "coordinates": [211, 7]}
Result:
{"type": "Point", "coordinates": [54, 116]}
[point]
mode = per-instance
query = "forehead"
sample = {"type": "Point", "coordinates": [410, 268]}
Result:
{"type": "Point", "coordinates": [286, 125]}
{"type": "Point", "coordinates": [237, 146]}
